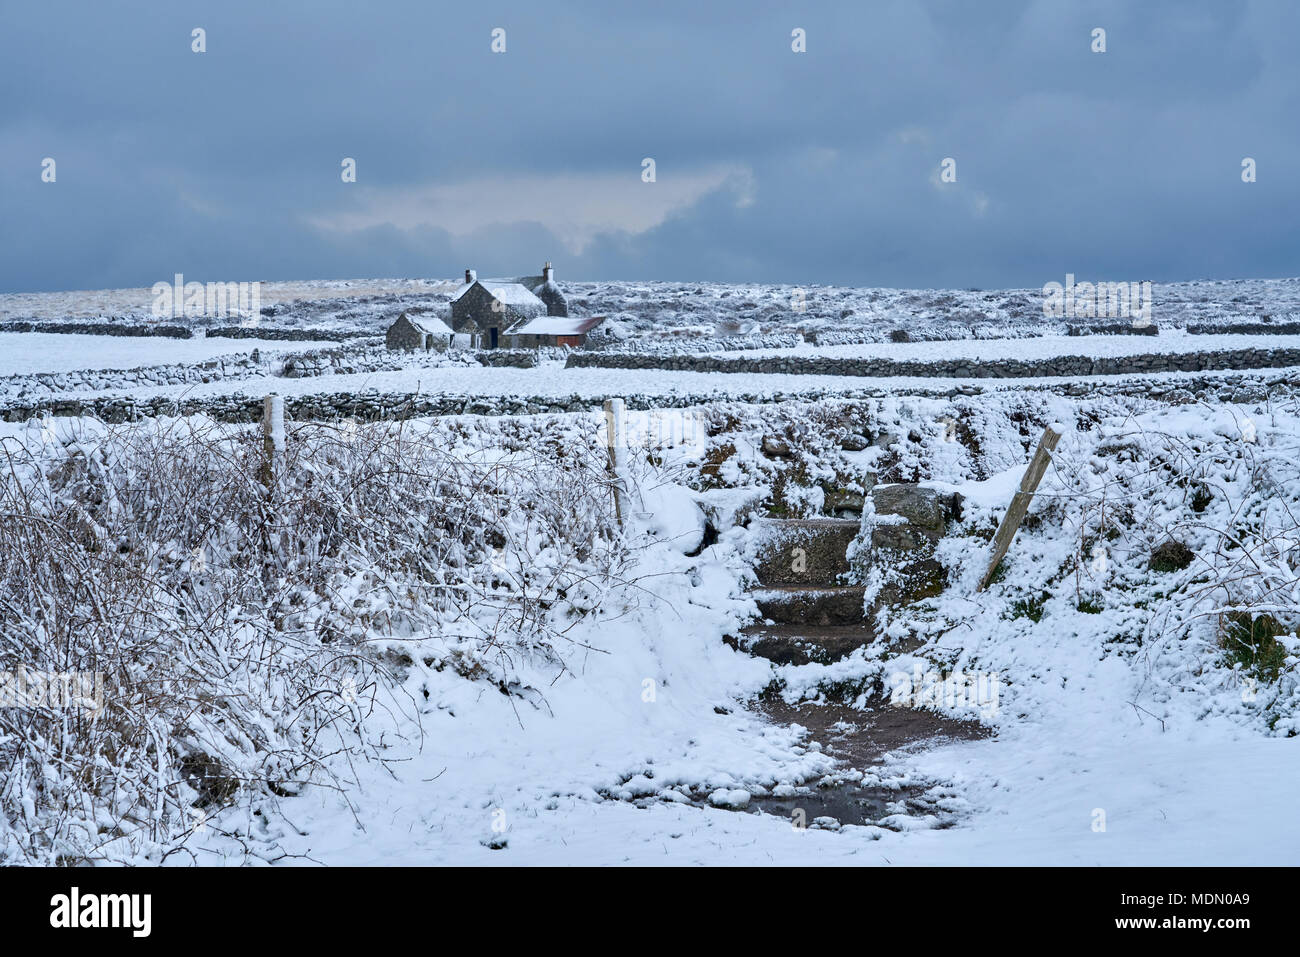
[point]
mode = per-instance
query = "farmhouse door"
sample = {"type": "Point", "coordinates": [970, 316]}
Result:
{"type": "Point", "coordinates": [494, 337]}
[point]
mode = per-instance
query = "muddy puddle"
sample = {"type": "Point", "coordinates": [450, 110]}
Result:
{"type": "Point", "coordinates": [856, 793]}
{"type": "Point", "coordinates": [834, 807]}
{"type": "Point", "coordinates": [860, 740]}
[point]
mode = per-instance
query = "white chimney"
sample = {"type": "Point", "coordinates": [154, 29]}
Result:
{"type": "Point", "coordinates": [546, 273]}
{"type": "Point", "coordinates": [470, 275]}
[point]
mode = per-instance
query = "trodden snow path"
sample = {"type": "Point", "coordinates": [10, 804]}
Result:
{"type": "Point", "coordinates": [498, 782]}
{"type": "Point", "coordinates": [1035, 794]}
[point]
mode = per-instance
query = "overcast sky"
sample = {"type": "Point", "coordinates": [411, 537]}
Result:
{"type": "Point", "coordinates": [771, 165]}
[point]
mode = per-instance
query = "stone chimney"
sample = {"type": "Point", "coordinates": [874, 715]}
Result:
{"type": "Point", "coordinates": [547, 273]}
{"type": "Point", "coordinates": [470, 275]}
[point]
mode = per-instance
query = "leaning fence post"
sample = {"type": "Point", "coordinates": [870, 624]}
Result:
{"type": "Point", "coordinates": [1020, 501]}
{"type": "Point", "coordinates": [614, 439]}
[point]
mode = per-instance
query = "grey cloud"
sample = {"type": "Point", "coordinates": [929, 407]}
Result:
{"type": "Point", "coordinates": [1121, 165]}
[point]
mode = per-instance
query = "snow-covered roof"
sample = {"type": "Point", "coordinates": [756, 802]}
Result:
{"type": "Point", "coordinates": [557, 326]}
{"type": "Point", "coordinates": [508, 293]}
{"type": "Point", "coordinates": [427, 322]}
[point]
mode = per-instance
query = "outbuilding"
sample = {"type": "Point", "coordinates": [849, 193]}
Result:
{"type": "Point", "coordinates": [421, 333]}
{"type": "Point", "coordinates": [572, 331]}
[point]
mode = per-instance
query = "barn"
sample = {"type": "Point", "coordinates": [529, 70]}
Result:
{"type": "Point", "coordinates": [571, 331]}
{"type": "Point", "coordinates": [420, 333]}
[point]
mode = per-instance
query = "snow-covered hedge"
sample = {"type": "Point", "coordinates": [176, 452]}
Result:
{"type": "Point", "coordinates": [237, 634]}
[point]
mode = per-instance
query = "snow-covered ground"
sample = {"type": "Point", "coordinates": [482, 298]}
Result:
{"type": "Point", "coordinates": [1126, 733]}
{"type": "Point", "coordinates": [1130, 752]}
{"type": "Point", "coordinates": [552, 380]}
{"type": "Point", "coordinates": [26, 352]}
{"type": "Point", "coordinates": [1171, 799]}
{"type": "Point", "coordinates": [89, 304]}
{"type": "Point", "coordinates": [37, 352]}
{"type": "Point", "coordinates": [1172, 342]}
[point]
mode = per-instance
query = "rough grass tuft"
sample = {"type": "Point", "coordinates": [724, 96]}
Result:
{"type": "Point", "coordinates": [1252, 643]}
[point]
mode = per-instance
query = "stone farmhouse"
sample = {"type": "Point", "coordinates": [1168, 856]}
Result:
{"type": "Point", "coordinates": [483, 313]}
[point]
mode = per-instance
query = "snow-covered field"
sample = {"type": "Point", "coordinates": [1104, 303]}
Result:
{"type": "Point", "coordinates": [433, 641]}
{"type": "Point", "coordinates": [1172, 342]}
{"type": "Point", "coordinates": [88, 304]}
{"type": "Point", "coordinates": [685, 311]}
{"type": "Point", "coordinates": [551, 379]}
{"type": "Point", "coordinates": [26, 352]}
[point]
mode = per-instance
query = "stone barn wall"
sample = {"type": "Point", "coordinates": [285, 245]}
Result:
{"type": "Point", "coordinates": [402, 334]}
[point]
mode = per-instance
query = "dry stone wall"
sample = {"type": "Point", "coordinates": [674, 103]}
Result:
{"type": "Point", "coordinates": [372, 405]}
{"type": "Point", "coordinates": [1057, 366]}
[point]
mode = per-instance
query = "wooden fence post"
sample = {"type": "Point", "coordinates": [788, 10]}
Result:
{"type": "Point", "coordinates": [273, 447]}
{"type": "Point", "coordinates": [1020, 501]}
{"type": "Point", "coordinates": [272, 438]}
{"type": "Point", "coordinates": [614, 439]}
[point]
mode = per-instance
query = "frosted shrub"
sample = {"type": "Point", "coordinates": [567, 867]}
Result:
{"type": "Point", "coordinates": [1208, 521]}
{"type": "Point", "coordinates": [230, 624]}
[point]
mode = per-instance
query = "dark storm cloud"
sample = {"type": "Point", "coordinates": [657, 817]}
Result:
{"type": "Point", "coordinates": [804, 168]}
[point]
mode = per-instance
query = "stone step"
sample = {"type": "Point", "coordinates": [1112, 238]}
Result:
{"type": "Point", "coordinates": [809, 551]}
{"type": "Point", "coordinates": [808, 605]}
{"type": "Point", "coordinates": [801, 644]}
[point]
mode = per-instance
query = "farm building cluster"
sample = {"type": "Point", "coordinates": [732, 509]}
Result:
{"type": "Point", "coordinates": [525, 313]}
